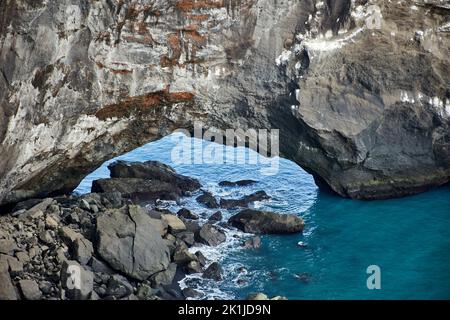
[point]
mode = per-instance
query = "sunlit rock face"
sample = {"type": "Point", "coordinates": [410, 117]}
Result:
{"type": "Point", "coordinates": [363, 104]}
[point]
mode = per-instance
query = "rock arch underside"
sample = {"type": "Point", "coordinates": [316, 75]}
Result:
{"type": "Point", "coordinates": [365, 110]}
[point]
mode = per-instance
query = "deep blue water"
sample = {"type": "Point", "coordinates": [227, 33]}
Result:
{"type": "Point", "coordinates": [407, 238]}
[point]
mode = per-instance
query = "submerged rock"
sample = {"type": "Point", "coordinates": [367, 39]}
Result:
{"type": "Point", "coordinates": [240, 183]}
{"type": "Point", "coordinates": [208, 200]}
{"type": "Point", "coordinates": [263, 222]}
{"type": "Point", "coordinates": [211, 235]}
{"type": "Point", "coordinates": [215, 217]}
{"type": "Point", "coordinates": [244, 201]}
{"type": "Point", "coordinates": [253, 243]}
{"type": "Point", "coordinates": [214, 272]}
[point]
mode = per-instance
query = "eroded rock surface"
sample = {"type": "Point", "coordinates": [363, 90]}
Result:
{"type": "Point", "coordinates": [365, 110]}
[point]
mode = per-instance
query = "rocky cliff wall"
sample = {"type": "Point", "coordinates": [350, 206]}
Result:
{"type": "Point", "coordinates": [364, 105]}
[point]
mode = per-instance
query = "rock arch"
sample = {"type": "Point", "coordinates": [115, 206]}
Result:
{"type": "Point", "coordinates": [365, 111]}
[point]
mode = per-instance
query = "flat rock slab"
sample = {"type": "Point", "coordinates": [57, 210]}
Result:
{"type": "Point", "coordinates": [153, 170]}
{"type": "Point", "coordinates": [129, 242]}
{"type": "Point", "coordinates": [138, 189]}
{"type": "Point", "coordinates": [263, 222]}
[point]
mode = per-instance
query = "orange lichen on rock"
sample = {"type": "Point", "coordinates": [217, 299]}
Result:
{"type": "Point", "coordinates": [121, 71]}
{"type": "Point", "coordinates": [197, 17]}
{"type": "Point", "coordinates": [142, 103]}
{"type": "Point", "coordinates": [188, 5]}
{"type": "Point", "coordinates": [195, 37]}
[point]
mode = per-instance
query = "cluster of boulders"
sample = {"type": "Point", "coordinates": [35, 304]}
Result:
{"type": "Point", "coordinates": [115, 243]}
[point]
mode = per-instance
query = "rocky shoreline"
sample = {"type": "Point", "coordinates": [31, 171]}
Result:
{"type": "Point", "coordinates": [116, 243]}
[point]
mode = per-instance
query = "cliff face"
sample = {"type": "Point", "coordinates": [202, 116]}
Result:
{"type": "Point", "coordinates": [366, 110]}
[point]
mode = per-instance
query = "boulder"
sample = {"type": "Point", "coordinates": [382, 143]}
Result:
{"type": "Point", "coordinates": [215, 217]}
{"type": "Point", "coordinates": [211, 235]}
{"type": "Point", "coordinates": [129, 242]}
{"type": "Point", "coordinates": [145, 292]}
{"type": "Point", "coordinates": [187, 236]}
{"type": "Point", "coordinates": [164, 277]}
{"type": "Point", "coordinates": [155, 171]}
{"type": "Point", "coordinates": [68, 235]}
{"type": "Point", "coordinates": [182, 255]}
{"type": "Point", "coordinates": [191, 226]}
{"type": "Point", "coordinates": [83, 250]}
{"type": "Point", "coordinates": [7, 246]}
{"type": "Point", "coordinates": [214, 272]}
{"type": "Point", "coordinates": [263, 222]}
{"type": "Point", "coordinates": [118, 287]}
{"type": "Point", "coordinates": [37, 208]}
{"type": "Point", "coordinates": [100, 267]}
{"type": "Point", "coordinates": [187, 214]}
{"type": "Point", "coordinates": [30, 290]}
{"type": "Point", "coordinates": [201, 258]}
{"type": "Point", "coordinates": [14, 265]}
{"type": "Point", "coordinates": [7, 290]}
{"type": "Point", "coordinates": [193, 267]}
{"type": "Point", "coordinates": [208, 200]}
{"type": "Point", "coordinates": [175, 224]}
{"type": "Point", "coordinates": [244, 201]}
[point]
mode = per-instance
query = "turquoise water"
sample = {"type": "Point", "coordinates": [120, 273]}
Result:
{"type": "Point", "coordinates": [407, 238]}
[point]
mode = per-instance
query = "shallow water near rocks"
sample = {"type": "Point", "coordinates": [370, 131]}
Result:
{"type": "Point", "coordinates": [407, 238]}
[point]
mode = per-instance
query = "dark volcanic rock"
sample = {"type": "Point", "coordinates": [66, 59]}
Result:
{"type": "Point", "coordinates": [138, 189]}
{"type": "Point", "coordinates": [211, 235]}
{"type": "Point", "coordinates": [208, 200]}
{"type": "Point", "coordinates": [118, 287]}
{"type": "Point", "coordinates": [192, 293]}
{"type": "Point", "coordinates": [262, 222]}
{"type": "Point", "coordinates": [129, 242]}
{"type": "Point", "coordinates": [214, 272]}
{"type": "Point", "coordinates": [187, 214]}
{"type": "Point", "coordinates": [215, 217]}
{"type": "Point", "coordinates": [244, 201]}
{"type": "Point", "coordinates": [153, 170]}
{"type": "Point", "coordinates": [240, 183]}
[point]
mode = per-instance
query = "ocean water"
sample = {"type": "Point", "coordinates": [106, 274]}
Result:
{"type": "Point", "coordinates": [407, 238]}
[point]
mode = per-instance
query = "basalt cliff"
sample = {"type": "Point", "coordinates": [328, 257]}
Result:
{"type": "Point", "coordinates": [358, 89]}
